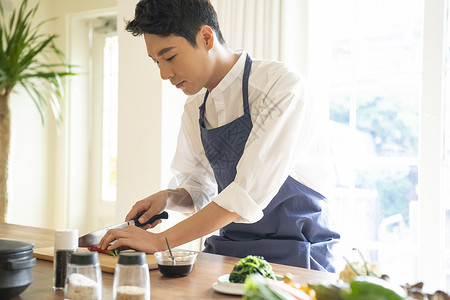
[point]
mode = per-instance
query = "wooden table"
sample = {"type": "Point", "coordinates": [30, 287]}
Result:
{"type": "Point", "coordinates": [197, 285]}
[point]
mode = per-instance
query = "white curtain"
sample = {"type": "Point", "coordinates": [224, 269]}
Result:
{"type": "Point", "coordinates": [267, 29]}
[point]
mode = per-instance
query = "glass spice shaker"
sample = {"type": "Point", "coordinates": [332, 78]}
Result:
{"type": "Point", "coordinates": [84, 277]}
{"type": "Point", "coordinates": [66, 242]}
{"type": "Point", "coordinates": [131, 277]}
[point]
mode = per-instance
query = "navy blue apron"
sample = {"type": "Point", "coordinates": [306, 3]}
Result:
{"type": "Point", "coordinates": [294, 229]}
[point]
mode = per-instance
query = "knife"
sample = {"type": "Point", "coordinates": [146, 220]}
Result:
{"type": "Point", "coordinates": [93, 238]}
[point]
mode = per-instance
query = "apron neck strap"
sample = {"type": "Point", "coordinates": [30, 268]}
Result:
{"type": "Point", "coordinates": [247, 68]}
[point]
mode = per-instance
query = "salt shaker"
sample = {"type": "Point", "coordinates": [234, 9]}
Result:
{"type": "Point", "coordinates": [66, 242]}
{"type": "Point", "coordinates": [84, 277]}
{"type": "Point", "coordinates": [131, 277]}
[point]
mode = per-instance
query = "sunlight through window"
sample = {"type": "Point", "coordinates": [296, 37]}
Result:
{"type": "Point", "coordinates": [110, 111]}
{"type": "Point", "coordinates": [372, 79]}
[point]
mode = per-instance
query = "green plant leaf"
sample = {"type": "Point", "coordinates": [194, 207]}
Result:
{"type": "Point", "coordinates": [30, 58]}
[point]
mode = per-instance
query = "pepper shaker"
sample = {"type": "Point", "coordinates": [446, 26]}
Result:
{"type": "Point", "coordinates": [66, 242]}
{"type": "Point", "coordinates": [84, 277]}
{"type": "Point", "coordinates": [131, 277]}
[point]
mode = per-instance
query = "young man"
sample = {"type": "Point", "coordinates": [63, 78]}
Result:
{"type": "Point", "coordinates": [247, 149]}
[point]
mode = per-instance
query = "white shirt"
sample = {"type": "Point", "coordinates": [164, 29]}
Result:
{"type": "Point", "coordinates": [284, 140]}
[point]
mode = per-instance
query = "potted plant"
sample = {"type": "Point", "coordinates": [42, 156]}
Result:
{"type": "Point", "coordinates": [25, 55]}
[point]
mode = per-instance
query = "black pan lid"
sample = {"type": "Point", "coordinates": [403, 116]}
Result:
{"type": "Point", "coordinates": [8, 246]}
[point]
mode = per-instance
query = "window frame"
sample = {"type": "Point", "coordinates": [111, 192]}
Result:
{"type": "Point", "coordinates": [431, 146]}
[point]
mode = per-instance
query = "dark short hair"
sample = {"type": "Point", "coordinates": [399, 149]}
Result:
{"type": "Point", "coordinates": [178, 17]}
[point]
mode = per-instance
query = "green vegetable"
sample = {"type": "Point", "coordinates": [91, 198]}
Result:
{"type": "Point", "coordinates": [373, 288]}
{"type": "Point", "coordinates": [257, 289]}
{"type": "Point", "coordinates": [250, 265]}
{"type": "Point", "coordinates": [328, 291]}
{"type": "Point", "coordinates": [114, 252]}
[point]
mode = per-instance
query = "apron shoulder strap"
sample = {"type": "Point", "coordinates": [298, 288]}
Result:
{"type": "Point", "coordinates": [245, 77]}
{"type": "Point", "coordinates": [248, 66]}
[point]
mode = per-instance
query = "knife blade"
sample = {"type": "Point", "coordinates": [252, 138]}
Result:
{"type": "Point", "coordinates": [93, 238]}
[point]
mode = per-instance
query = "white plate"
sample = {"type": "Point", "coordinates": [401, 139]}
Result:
{"type": "Point", "coordinates": [230, 290]}
{"type": "Point", "coordinates": [226, 279]}
{"type": "Point", "coordinates": [224, 286]}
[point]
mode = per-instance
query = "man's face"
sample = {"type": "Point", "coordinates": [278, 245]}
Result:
{"type": "Point", "coordinates": [180, 62]}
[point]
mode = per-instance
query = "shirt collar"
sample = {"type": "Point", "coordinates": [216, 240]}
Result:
{"type": "Point", "coordinates": [235, 72]}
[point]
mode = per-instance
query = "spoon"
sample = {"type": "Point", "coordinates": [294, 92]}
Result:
{"type": "Point", "coordinates": [170, 251]}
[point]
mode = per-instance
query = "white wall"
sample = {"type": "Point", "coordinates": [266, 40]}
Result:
{"type": "Point", "coordinates": [28, 161]}
{"type": "Point", "coordinates": [37, 179]}
{"type": "Point", "coordinates": [31, 146]}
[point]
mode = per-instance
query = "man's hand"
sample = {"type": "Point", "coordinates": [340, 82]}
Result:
{"type": "Point", "coordinates": [138, 238]}
{"type": "Point", "coordinates": [132, 237]}
{"type": "Point", "coordinates": [152, 205]}
{"type": "Point", "coordinates": [205, 221]}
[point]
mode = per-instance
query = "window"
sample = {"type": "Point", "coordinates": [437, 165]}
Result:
{"type": "Point", "coordinates": [103, 61]}
{"type": "Point", "coordinates": [92, 120]}
{"type": "Point", "coordinates": [369, 57]}
{"type": "Point", "coordinates": [446, 194]}
{"type": "Point", "coordinates": [109, 128]}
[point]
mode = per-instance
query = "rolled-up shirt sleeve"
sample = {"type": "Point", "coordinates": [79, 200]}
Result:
{"type": "Point", "coordinates": [248, 210]}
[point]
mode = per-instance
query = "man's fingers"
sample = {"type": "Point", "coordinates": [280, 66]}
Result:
{"type": "Point", "coordinates": [145, 217]}
{"type": "Point", "coordinates": [106, 240]}
{"type": "Point", "coordinates": [125, 238]}
{"type": "Point", "coordinates": [145, 227]}
{"type": "Point", "coordinates": [133, 212]}
{"type": "Point", "coordinates": [118, 235]}
{"type": "Point", "coordinates": [155, 223]}
{"type": "Point", "coordinates": [111, 236]}
{"type": "Point", "coordinates": [137, 208]}
{"type": "Point", "coordinates": [119, 242]}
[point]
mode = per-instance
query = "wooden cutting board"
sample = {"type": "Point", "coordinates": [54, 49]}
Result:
{"type": "Point", "coordinates": [107, 262]}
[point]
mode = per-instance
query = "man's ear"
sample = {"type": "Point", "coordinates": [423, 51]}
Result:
{"type": "Point", "coordinates": [207, 37]}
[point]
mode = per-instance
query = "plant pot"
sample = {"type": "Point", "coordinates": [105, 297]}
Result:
{"type": "Point", "coordinates": [16, 262]}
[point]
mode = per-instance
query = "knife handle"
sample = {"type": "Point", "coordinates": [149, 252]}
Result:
{"type": "Point", "coordinates": [163, 215]}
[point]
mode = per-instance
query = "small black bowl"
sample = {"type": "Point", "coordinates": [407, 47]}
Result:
{"type": "Point", "coordinates": [181, 264]}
